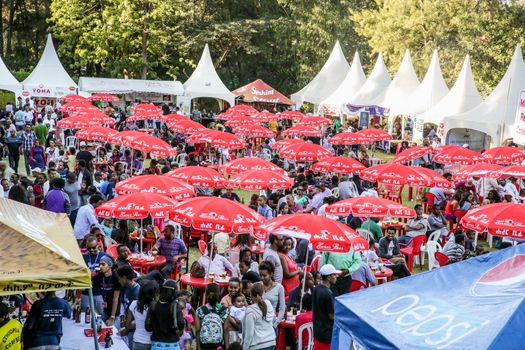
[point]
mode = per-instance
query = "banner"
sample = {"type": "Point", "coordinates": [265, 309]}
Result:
{"type": "Point", "coordinates": [519, 124]}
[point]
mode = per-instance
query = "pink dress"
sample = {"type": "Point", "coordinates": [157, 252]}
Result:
{"type": "Point", "coordinates": [290, 283]}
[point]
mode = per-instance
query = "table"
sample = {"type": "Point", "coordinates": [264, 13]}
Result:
{"type": "Point", "coordinates": [74, 338]}
{"type": "Point", "coordinates": [383, 276]}
{"type": "Point", "coordinates": [144, 265]}
{"type": "Point", "coordinates": [284, 325]}
{"type": "Point", "coordinates": [188, 280]}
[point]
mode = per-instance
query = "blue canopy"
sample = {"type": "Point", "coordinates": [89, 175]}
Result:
{"type": "Point", "coordinates": [474, 304]}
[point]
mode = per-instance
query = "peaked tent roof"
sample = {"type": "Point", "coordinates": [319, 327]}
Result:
{"type": "Point", "coordinates": [49, 78]}
{"type": "Point", "coordinates": [463, 96]}
{"type": "Point", "coordinates": [355, 78]}
{"type": "Point", "coordinates": [205, 82]}
{"type": "Point", "coordinates": [402, 86]}
{"type": "Point", "coordinates": [326, 81]}
{"type": "Point", "coordinates": [7, 80]}
{"type": "Point", "coordinates": [499, 109]}
{"type": "Point", "coordinates": [373, 90]}
{"type": "Point", "coordinates": [259, 91]}
{"type": "Point", "coordinates": [41, 251]}
{"type": "Point", "coordinates": [128, 86]}
{"type": "Point", "coordinates": [431, 90]}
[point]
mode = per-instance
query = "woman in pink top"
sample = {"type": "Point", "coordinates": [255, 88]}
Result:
{"type": "Point", "coordinates": [291, 271]}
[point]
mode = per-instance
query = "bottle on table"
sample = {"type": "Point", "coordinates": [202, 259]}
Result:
{"type": "Point", "coordinates": [87, 317]}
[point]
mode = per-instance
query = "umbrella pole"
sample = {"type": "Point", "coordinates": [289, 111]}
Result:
{"type": "Point", "coordinates": [210, 253]}
{"type": "Point", "coordinates": [188, 250]}
{"type": "Point", "coordinates": [304, 276]}
{"type": "Point", "coordinates": [93, 320]}
{"type": "Point", "coordinates": [476, 239]}
{"type": "Point", "coordinates": [140, 237]}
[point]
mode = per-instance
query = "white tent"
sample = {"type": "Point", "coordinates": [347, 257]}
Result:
{"type": "Point", "coordinates": [431, 90]}
{"type": "Point", "coordinates": [326, 81]}
{"type": "Point", "coordinates": [373, 90]}
{"type": "Point", "coordinates": [7, 80]}
{"type": "Point", "coordinates": [402, 86]}
{"type": "Point", "coordinates": [49, 78]}
{"type": "Point", "coordinates": [355, 78]}
{"type": "Point", "coordinates": [205, 82]}
{"type": "Point", "coordinates": [463, 96]}
{"type": "Point", "coordinates": [128, 86]}
{"type": "Point", "coordinates": [498, 111]}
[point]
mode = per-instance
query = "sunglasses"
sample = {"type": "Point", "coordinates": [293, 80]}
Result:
{"type": "Point", "coordinates": [92, 248]}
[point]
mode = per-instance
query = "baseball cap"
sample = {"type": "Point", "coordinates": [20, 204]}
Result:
{"type": "Point", "coordinates": [83, 144]}
{"type": "Point", "coordinates": [328, 269]}
{"type": "Point", "coordinates": [36, 170]}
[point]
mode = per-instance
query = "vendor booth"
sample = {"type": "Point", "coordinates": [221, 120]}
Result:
{"type": "Point", "coordinates": [478, 303]}
{"type": "Point", "coordinates": [49, 80]}
{"type": "Point", "coordinates": [261, 96]}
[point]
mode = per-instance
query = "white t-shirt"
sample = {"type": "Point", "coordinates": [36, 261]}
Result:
{"type": "Point", "coordinates": [141, 334]}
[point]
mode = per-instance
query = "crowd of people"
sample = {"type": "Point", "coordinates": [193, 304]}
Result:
{"type": "Point", "coordinates": [149, 309]}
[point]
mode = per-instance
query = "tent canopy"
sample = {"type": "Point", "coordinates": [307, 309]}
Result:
{"type": "Point", "coordinates": [7, 80]}
{"type": "Point", "coordinates": [49, 78]}
{"type": "Point", "coordinates": [205, 82]}
{"type": "Point", "coordinates": [463, 96]}
{"type": "Point", "coordinates": [128, 86]}
{"type": "Point", "coordinates": [431, 90]}
{"type": "Point", "coordinates": [405, 82]}
{"type": "Point", "coordinates": [499, 109]}
{"type": "Point", "coordinates": [355, 78]}
{"type": "Point", "coordinates": [373, 90]}
{"type": "Point", "coordinates": [474, 304]}
{"type": "Point", "coordinates": [40, 252]}
{"type": "Point", "coordinates": [259, 91]}
{"type": "Point", "coordinates": [326, 81]}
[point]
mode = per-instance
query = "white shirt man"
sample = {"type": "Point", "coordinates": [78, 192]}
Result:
{"type": "Point", "coordinates": [511, 189]}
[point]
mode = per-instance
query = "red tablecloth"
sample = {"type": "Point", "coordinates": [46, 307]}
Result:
{"type": "Point", "coordinates": [188, 280]}
{"type": "Point", "coordinates": [281, 337]}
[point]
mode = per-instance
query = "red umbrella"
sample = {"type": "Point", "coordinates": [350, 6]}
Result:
{"type": "Point", "coordinates": [394, 174]}
{"type": "Point", "coordinates": [253, 180]}
{"type": "Point", "coordinates": [293, 115]}
{"type": "Point", "coordinates": [173, 118]}
{"type": "Point", "coordinates": [244, 109]}
{"type": "Point", "coordinates": [517, 171]}
{"type": "Point", "coordinates": [71, 107]}
{"type": "Point", "coordinates": [154, 145]}
{"type": "Point", "coordinates": [305, 152]}
{"type": "Point", "coordinates": [278, 145]}
{"type": "Point", "coordinates": [341, 165]}
{"type": "Point", "coordinates": [137, 206]}
{"type": "Point", "coordinates": [504, 155]}
{"type": "Point", "coordinates": [145, 115]}
{"type": "Point", "coordinates": [238, 121]}
{"type": "Point", "coordinates": [124, 138]}
{"type": "Point", "coordinates": [411, 154]}
{"type": "Point", "coordinates": [73, 98]}
{"type": "Point", "coordinates": [433, 178]}
{"type": "Point", "coordinates": [218, 139]}
{"type": "Point", "coordinates": [264, 117]}
{"type": "Point", "coordinates": [370, 207]}
{"type": "Point", "coordinates": [77, 123]}
{"type": "Point", "coordinates": [97, 116]}
{"type": "Point", "coordinates": [103, 97]}
{"type": "Point", "coordinates": [229, 115]}
{"type": "Point", "coordinates": [324, 234]}
{"type": "Point", "coordinates": [96, 133]}
{"type": "Point", "coordinates": [240, 165]}
{"type": "Point", "coordinates": [348, 138]}
{"type": "Point", "coordinates": [375, 134]}
{"type": "Point", "coordinates": [500, 219]}
{"type": "Point", "coordinates": [457, 155]}
{"type": "Point", "coordinates": [198, 176]}
{"type": "Point", "coordinates": [164, 185]}
{"type": "Point", "coordinates": [254, 131]}
{"type": "Point", "coordinates": [216, 214]}
{"type": "Point", "coordinates": [146, 108]}
{"type": "Point", "coordinates": [302, 130]}
{"type": "Point", "coordinates": [478, 170]}
{"type": "Point", "coordinates": [187, 126]}
{"type": "Point", "coordinates": [315, 121]}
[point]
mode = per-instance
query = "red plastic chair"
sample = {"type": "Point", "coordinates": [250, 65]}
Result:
{"type": "Point", "coordinates": [427, 205]}
{"type": "Point", "coordinates": [413, 248]}
{"type": "Point", "coordinates": [113, 250]}
{"type": "Point", "coordinates": [356, 285]}
{"type": "Point", "coordinates": [315, 263]}
{"type": "Point", "coordinates": [202, 246]}
{"type": "Point", "coordinates": [441, 258]}
{"type": "Point", "coordinates": [392, 192]}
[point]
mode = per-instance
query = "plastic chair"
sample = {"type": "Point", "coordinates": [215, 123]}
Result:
{"type": "Point", "coordinates": [432, 248]}
{"type": "Point", "coordinates": [356, 285]}
{"type": "Point", "coordinates": [427, 205]}
{"type": "Point", "coordinates": [315, 263]}
{"type": "Point", "coordinates": [307, 327]}
{"type": "Point", "coordinates": [441, 258]}
{"type": "Point", "coordinates": [365, 233]}
{"type": "Point", "coordinates": [392, 192]}
{"type": "Point", "coordinates": [413, 248]}
{"type": "Point", "coordinates": [267, 154]}
{"type": "Point", "coordinates": [113, 250]}
{"type": "Point", "coordinates": [335, 192]}
{"type": "Point", "coordinates": [178, 229]}
{"type": "Point", "coordinates": [71, 141]}
{"type": "Point", "coordinates": [181, 160]}
{"type": "Point", "coordinates": [202, 246]}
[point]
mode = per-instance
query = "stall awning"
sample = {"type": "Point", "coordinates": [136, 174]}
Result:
{"type": "Point", "coordinates": [259, 91]}
{"type": "Point", "coordinates": [39, 251]}
{"type": "Point", "coordinates": [129, 86]}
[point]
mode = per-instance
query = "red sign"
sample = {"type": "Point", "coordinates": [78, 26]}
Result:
{"type": "Point", "coordinates": [259, 91]}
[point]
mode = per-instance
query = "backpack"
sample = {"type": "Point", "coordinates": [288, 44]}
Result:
{"type": "Point", "coordinates": [211, 327]}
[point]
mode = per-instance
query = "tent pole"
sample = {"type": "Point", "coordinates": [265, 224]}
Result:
{"type": "Point", "coordinates": [93, 320]}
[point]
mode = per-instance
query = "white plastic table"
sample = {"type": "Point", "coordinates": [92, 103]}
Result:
{"type": "Point", "coordinates": [74, 338]}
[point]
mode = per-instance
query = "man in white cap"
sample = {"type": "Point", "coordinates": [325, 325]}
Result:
{"type": "Point", "coordinates": [323, 307]}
